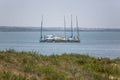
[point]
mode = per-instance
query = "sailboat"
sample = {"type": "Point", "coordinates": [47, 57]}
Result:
{"type": "Point", "coordinates": [74, 38]}
{"type": "Point", "coordinates": [62, 39]}
{"type": "Point", "coordinates": [53, 38]}
{"type": "Point", "coordinates": [46, 38]}
{"type": "Point", "coordinates": [41, 36]}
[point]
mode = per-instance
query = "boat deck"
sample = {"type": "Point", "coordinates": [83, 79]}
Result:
{"type": "Point", "coordinates": [56, 39]}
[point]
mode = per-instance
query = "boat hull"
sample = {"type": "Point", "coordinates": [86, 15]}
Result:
{"type": "Point", "coordinates": [61, 41]}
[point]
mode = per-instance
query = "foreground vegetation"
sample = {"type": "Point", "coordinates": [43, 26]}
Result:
{"type": "Point", "coordinates": [32, 66]}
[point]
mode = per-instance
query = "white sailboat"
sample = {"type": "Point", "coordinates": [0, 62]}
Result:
{"type": "Point", "coordinates": [74, 38]}
{"type": "Point", "coordinates": [53, 38]}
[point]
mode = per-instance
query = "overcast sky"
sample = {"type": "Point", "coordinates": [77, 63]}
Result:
{"type": "Point", "coordinates": [91, 13]}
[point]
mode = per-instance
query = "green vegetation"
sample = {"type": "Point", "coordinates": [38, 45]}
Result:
{"type": "Point", "coordinates": [32, 66]}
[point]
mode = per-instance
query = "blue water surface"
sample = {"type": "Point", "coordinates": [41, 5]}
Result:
{"type": "Point", "coordinates": [97, 44]}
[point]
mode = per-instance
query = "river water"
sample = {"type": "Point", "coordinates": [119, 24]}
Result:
{"type": "Point", "coordinates": [97, 44]}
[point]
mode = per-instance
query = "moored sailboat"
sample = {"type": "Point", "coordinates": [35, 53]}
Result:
{"type": "Point", "coordinates": [74, 38]}
{"type": "Point", "coordinates": [53, 38]}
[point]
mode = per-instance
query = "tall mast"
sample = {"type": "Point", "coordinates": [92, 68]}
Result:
{"type": "Point", "coordinates": [41, 27]}
{"type": "Point", "coordinates": [78, 35]}
{"type": "Point", "coordinates": [65, 27]}
{"type": "Point", "coordinates": [71, 27]}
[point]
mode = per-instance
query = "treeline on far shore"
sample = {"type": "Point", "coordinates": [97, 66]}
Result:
{"type": "Point", "coordinates": [37, 29]}
{"type": "Point", "coordinates": [33, 66]}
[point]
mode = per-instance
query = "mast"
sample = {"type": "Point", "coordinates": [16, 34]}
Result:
{"type": "Point", "coordinates": [71, 28]}
{"type": "Point", "coordinates": [78, 35]}
{"type": "Point", "coordinates": [65, 27]}
{"type": "Point", "coordinates": [41, 36]}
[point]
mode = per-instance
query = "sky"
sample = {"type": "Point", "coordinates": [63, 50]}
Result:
{"type": "Point", "coordinates": [90, 13]}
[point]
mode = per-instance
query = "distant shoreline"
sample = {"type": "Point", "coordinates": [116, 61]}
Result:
{"type": "Point", "coordinates": [37, 29]}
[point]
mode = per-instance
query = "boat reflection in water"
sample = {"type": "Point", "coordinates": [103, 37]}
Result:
{"type": "Point", "coordinates": [54, 38]}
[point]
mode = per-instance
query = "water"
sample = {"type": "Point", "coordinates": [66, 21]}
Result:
{"type": "Point", "coordinates": [98, 44]}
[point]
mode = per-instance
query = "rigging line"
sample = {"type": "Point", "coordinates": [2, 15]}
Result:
{"type": "Point", "coordinates": [77, 27]}
{"type": "Point", "coordinates": [65, 27]}
{"type": "Point", "coordinates": [71, 28]}
{"type": "Point", "coordinates": [41, 27]}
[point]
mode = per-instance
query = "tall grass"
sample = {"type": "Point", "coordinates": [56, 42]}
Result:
{"type": "Point", "coordinates": [33, 66]}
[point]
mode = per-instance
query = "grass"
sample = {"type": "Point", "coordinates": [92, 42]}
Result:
{"type": "Point", "coordinates": [32, 66]}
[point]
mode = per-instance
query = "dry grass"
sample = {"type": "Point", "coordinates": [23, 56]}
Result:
{"type": "Point", "coordinates": [32, 66]}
